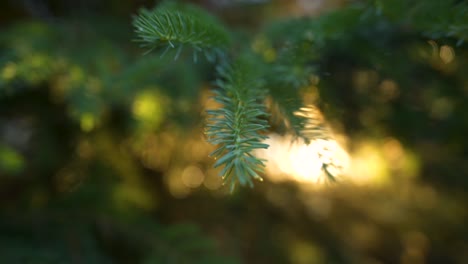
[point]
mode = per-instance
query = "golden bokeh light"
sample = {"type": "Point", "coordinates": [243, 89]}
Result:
{"type": "Point", "coordinates": [192, 176]}
{"type": "Point", "coordinates": [212, 180]}
{"type": "Point", "coordinates": [175, 184]}
{"type": "Point", "coordinates": [442, 57]}
{"type": "Point", "coordinates": [368, 166]}
{"type": "Point", "coordinates": [388, 90]}
{"type": "Point", "coordinates": [148, 108]}
{"type": "Point", "coordinates": [447, 54]}
{"type": "Point", "coordinates": [364, 80]}
{"type": "Point", "coordinates": [381, 162]}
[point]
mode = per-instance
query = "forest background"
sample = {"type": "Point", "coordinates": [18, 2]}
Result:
{"type": "Point", "coordinates": [104, 159]}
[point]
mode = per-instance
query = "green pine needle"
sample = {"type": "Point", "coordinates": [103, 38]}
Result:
{"type": "Point", "coordinates": [236, 127]}
{"type": "Point", "coordinates": [173, 27]}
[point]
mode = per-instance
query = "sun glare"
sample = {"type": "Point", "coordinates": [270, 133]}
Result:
{"type": "Point", "coordinates": [289, 159]}
{"type": "Point", "coordinates": [371, 162]}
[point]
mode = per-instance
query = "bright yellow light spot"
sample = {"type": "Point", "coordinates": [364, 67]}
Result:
{"type": "Point", "coordinates": [372, 162]}
{"type": "Point", "coordinates": [447, 54]}
{"type": "Point", "coordinates": [9, 72]}
{"type": "Point", "coordinates": [289, 159]}
{"type": "Point", "coordinates": [10, 160]}
{"type": "Point", "coordinates": [147, 108]}
{"type": "Point", "coordinates": [303, 162]}
{"type": "Point", "coordinates": [381, 163]}
{"type": "Point", "coordinates": [87, 122]}
{"type": "Point", "coordinates": [368, 165]}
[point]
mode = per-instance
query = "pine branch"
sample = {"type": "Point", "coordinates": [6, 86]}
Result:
{"type": "Point", "coordinates": [174, 26]}
{"type": "Point", "coordinates": [289, 74]}
{"type": "Point", "coordinates": [450, 20]}
{"type": "Point", "coordinates": [290, 116]}
{"type": "Point", "coordinates": [312, 125]}
{"type": "Point", "coordinates": [236, 127]}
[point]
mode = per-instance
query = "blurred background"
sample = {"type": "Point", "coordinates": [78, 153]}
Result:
{"type": "Point", "coordinates": [103, 157]}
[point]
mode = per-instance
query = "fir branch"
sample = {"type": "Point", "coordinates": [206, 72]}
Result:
{"type": "Point", "coordinates": [173, 27]}
{"type": "Point", "coordinates": [312, 125]}
{"type": "Point", "coordinates": [450, 20]}
{"type": "Point", "coordinates": [282, 113]}
{"type": "Point", "coordinates": [236, 127]}
{"type": "Point", "coordinates": [289, 115]}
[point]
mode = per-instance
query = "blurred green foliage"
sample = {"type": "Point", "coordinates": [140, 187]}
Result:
{"type": "Point", "coordinates": [103, 159]}
{"type": "Point", "coordinates": [11, 162]}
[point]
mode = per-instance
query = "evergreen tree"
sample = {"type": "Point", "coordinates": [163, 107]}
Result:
{"type": "Point", "coordinates": [100, 138]}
